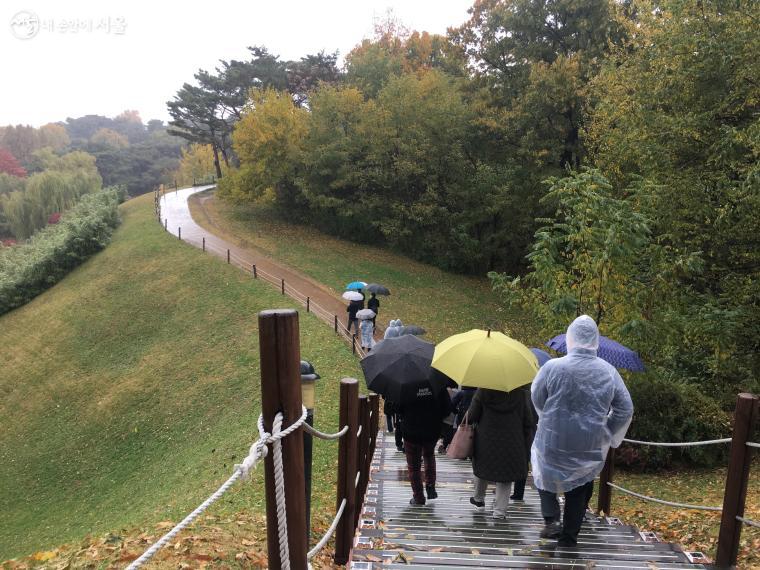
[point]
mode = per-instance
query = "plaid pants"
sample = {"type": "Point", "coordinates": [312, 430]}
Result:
{"type": "Point", "coordinates": [415, 454]}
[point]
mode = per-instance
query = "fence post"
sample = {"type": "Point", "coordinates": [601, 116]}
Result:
{"type": "Point", "coordinates": [745, 417]}
{"type": "Point", "coordinates": [282, 285]}
{"type": "Point", "coordinates": [361, 456]}
{"type": "Point", "coordinates": [353, 343]}
{"type": "Point", "coordinates": [166, 224]}
{"type": "Point", "coordinates": [604, 503]}
{"type": "Point", "coordinates": [228, 255]}
{"type": "Point", "coordinates": [336, 323]}
{"type": "Point", "coordinates": [204, 244]}
{"type": "Point", "coordinates": [374, 408]}
{"type": "Point", "coordinates": [254, 271]}
{"type": "Point", "coordinates": [307, 304]}
{"type": "Point", "coordinates": [179, 233]}
{"type": "Point", "coordinates": [281, 392]}
{"type": "Point", "coordinates": [347, 449]}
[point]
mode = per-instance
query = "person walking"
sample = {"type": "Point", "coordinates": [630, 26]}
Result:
{"type": "Point", "coordinates": [353, 308]}
{"type": "Point", "coordinates": [501, 452]}
{"type": "Point", "coordinates": [393, 329]}
{"type": "Point", "coordinates": [374, 305]}
{"type": "Point", "coordinates": [583, 409]}
{"type": "Point", "coordinates": [367, 332]}
{"type": "Point", "coordinates": [421, 421]}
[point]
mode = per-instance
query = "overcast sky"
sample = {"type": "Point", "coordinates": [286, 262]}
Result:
{"type": "Point", "coordinates": [76, 57]}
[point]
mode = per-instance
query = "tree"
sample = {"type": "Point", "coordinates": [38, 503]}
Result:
{"type": "Point", "coordinates": [197, 163]}
{"type": "Point", "coordinates": [108, 138]}
{"type": "Point", "coordinates": [54, 135]}
{"type": "Point", "coordinates": [9, 164]}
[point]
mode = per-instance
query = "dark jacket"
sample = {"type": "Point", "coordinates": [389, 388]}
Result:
{"type": "Point", "coordinates": [353, 308]}
{"type": "Point", "coordinates": [461, 402]}
{"type": "Point", "coordinates": [422, 419]}
{"type": "Point", "coordinates": [505, 425]}
{"type": "Point", "coordinates": [373, 304]}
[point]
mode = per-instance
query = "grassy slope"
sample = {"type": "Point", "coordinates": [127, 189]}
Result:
{"type": "Point", "coordinates": [129, 390]}
{"type": "Point", "coordinates": [441, 302]}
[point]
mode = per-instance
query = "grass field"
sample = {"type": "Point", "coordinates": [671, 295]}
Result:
{"type": "Point", "coordinates": [443, 303]}
{"type": "Point", "coordinates": [130, 389]}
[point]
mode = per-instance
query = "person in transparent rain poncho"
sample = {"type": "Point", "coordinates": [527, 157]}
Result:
{"type": "Point", "coordinates": [583, 409]}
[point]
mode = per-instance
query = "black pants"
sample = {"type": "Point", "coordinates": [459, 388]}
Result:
{"type": "Point", "coordinates": [398, 432]}
{"type": "Point", "coordinates": [576, 501]}
{"type": "Point", "coordinates": [518, 491]}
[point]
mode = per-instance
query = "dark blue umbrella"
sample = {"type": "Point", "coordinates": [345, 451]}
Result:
{"type": "Point", "coordinates": [541, 355]}
{"type": "Point", "coordinates": [612, 351]}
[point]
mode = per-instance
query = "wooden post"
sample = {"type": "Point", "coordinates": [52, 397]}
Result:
{"type": "Point", "coordinates": [228, 255]}
{"type": "Point", "coordinates": [307, 304]}
{"type": "Point", "coordinates": [347, 449]}
{"type": "Point", "coordinates": [204, 244]}
{"type": "Point", "coordinates": [604, 503]}
{"type": "Point", "coordinates": [166, 224]}
{"type": "Point", "coordinates": [179, 233]}
{"type": "Point", "coordinates": [361, 457]}
{"type": "Point", "coordinates": [745, 418]}
{"type": "Point", "coordinates": [336, 323]}
{"type": "Point", "coordinates": [353, 343]}
{"type": "Point", "coordinates": [374, 408]}
{"type": "Point", "coordinates": [281, 392]}
{"type": "Point", "coordinates": [282, 285]}
{"type": "Point", "coordinates": [254, 271]}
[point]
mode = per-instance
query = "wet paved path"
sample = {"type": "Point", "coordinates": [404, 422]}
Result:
{"type": "Point", "coordinates": [449, 533]}
{"type": "Point", "coordinates": [324, 302]}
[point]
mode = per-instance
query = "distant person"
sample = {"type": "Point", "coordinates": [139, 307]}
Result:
{"type": "Point", "coordinates": [461, 401]}
{"type": "Point", "coordinates": [583, 409]}
{"type": "Point", "coordinates": [394, 327]}
{"type": "Point", "coordinates": [421, 421]}
{"type": "Point", "coordinates": [501, 451]}
{"type": "Point", "coordinates": [374, 305]}
{"type": "Point", "coordinates": [395, 423]}
{"type": "Point", "coordinates": [447, 428]}
{"type": "Point", "coordinates": [353, 308]}
{"type": "Point", "coordinates": [368, 330]}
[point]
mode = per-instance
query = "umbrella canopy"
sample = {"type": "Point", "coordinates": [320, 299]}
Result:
{"type": "Point", "coordinates": [378, 289]}
{"type": "Point", "coordinates": [411, 329]}
{"type": "Point", "coordinates": [486, 359]}
{"type": "Point", "coordinates": [356, 285]}
{"type": "Point", "coordinates": [612, 351]}
{"type": "Point", "coordinates": [352, 296]}
{"type": "Point", "coordinates": [365, 314]}
{"type": "Point", "coordinates": [541, 355]}
{"type": "Point", "coordinates": [399, 369]}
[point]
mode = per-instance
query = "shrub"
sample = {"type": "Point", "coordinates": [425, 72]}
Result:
{"type": "Point", "coordinates": [28, 269]}
{"type": "Point", "coordinates": [667, 410]}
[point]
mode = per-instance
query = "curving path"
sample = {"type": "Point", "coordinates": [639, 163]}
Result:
{"type": "Point", "coordinates": [323, 301]}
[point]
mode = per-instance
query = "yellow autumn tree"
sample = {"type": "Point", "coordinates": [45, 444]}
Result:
{"type": "Point", "coordinates": [197, 163]}
{"type": "Point", "coordinates": [268, 141]}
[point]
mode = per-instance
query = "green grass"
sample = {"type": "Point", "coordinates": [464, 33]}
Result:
{"type": "Point", "coordinates": [130, 389]}
{"type": "Point", "coordinates": [441, 302]}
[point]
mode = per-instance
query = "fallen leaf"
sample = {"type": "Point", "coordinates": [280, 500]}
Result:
{"type": "Point", "coordinates": [44, 555]}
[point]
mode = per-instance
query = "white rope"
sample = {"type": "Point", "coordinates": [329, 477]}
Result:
{"type": "Point", "coordinates": [684, 444]}
{"type": "Point", "coordinates": [753, 444]}
{"type": "Point", "coordinates": [749, 522]}
{"type": "Point", "coordinates": [257, 451]}
{"type": "Point", "coordinates": [316, 433]}
{"type": "Point", "coordinates": [668, 503]}
{"type": "Point", "coordinates": [329, 532]}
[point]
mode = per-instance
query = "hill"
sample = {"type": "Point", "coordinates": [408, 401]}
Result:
{"type": "Point", "coordinates": [131, 388]}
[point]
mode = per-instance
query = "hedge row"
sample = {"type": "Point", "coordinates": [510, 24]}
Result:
{"type": "Point", "coordinates": [28, 269]}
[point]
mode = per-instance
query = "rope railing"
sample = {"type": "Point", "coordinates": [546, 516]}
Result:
{"type": "Point", "coordinates": [748, 522]}
{"type": "Point", "coordinates": [257, 451]}
{"type": "Point", "coordinates": [679, 444]}
{"type": "Point", "coordinates": [329, 436]}
{"type": "Point", "coordinates": [330, 531]}
{"type": "Point", "coordinates": [753, 444]}
{"type": "Point", "coordinates": [661, 501]}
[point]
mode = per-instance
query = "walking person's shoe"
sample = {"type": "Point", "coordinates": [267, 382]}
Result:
{"type": "Point", "coordinates": [516, 498]}
{"type": "Point", "coordinates": [551, 530]}
{"type": "Point", "coordinates": [431, 492]}
{"type": "Point", "coordinates": [415, 503]}
{"type": "Point", "coordinates": [479, 505]}
{"type": "Point", "coordinates": [499, 516]}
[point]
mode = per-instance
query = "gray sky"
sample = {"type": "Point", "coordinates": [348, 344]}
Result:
{"type": "Point", "coordinates": [83, 57]}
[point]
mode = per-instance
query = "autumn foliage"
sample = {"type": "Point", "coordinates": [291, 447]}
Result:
{"type": "Point", "coordinates": [10, 165]}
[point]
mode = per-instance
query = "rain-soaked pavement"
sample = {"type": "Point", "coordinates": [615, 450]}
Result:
{"type": "Point", "coordinates": [323, 301]}
{"type": "Point", "coordinates": [449, 533]}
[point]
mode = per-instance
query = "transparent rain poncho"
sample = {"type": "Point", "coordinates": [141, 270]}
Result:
{"type": "Point", "coordinates": [583, 408]}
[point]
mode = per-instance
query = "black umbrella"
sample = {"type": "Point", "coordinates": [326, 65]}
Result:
{"type": "Point", "coordinates": [399, 369]}
{"type": "Point", "coordinates": [411, 329]}
{"type": "Point", "coordinates": [378, 289]}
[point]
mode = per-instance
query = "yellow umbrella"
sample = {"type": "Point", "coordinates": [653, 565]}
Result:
{"type": "Point", "coordinates": [485, 359]}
